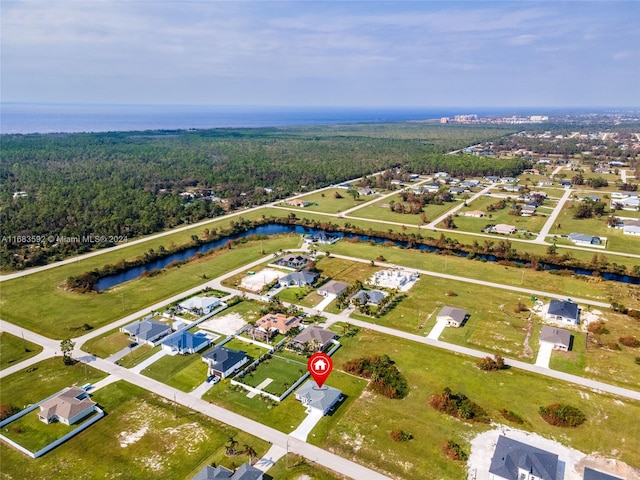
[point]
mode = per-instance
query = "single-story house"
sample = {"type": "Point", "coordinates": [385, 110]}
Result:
{"type": "Point", "coordinates": [317, 399]}
{"type": "Point", "coordinates": [277, 322]}
{"type": "Point", "coordinates": [185, 342]}
{"type": "Point", "coordinates": [394, 278]}
{"type": "Point", "coordinates": [299, 279]}
{"type": "Point", "coordinates": [503, 229]}
{"type": "Point", "coordinates": [456, 191]}
{"type": "Point", "coordinates": [508, 180]}
{"type": "Point", "coordinates": [345, 185]}
{"type": "Point", "coordinates": [243, 472]}
{"type": "Point", "coordinates": [563, 311]}
{"type": "Point", "coordinates": [531, 171]}
{"type": "Point", "coordinates": [371, 297]}
{"type": "Point", "coordinates": [469, 183]}
{"type": "Point", "coordinates": [200, 305]}
{"type": "Point", "coordinates": [527, 210]}
{"type": "Point", "coordinates": [295, 262]}
{"type": "Point", "coordinates": [545, 183]}
{"type": "Point", "coordinates": [475, 213]}
{"type": "Point", "coordinates": [146, 331]}
{"type": "Point", "coordinates": [631, 228]}
{"type": "Point", "coordinates": [333, 288]}
{"type": "Point", "coordinates": [366, 191]}
{"type": "Point", "coordinates": [511, 188]}
{"type": "Point", "coordinates": [223, 362]}
{"type": "Point", "coordinates": [591, 474]}
{"type": "Point", "coordinates": [320, 237]}
{"type": "Point", "coordinates": [69, 407]}
{"type": "Point", "coordinates": [492, 178]}
{"type": "Point", "coordinates": [593, 198]}
{"type": "Point", "coordinates": [454, 316]}
{"type": "Point", "coordinates": [430, 187]}
{"type": "Point", "coordinates": [584, 239]}
{"type": "Point", "coordinates": [297, 202]}
{"type": "Point", "coordinates": [513, 460]}
{"type": "Point", "coordinates": [311, 336]}
{"type": "Point", "coordinates": [441, 175]}
{"type": "Point", "coordinates": [559, 338]}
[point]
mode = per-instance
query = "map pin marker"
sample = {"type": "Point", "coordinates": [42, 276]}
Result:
{"type": "Point", "coordinates": [320, 366]}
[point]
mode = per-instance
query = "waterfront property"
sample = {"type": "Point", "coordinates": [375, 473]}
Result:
{"type": "Point", "coordinates": [294, 262]}
{"type": "Point", "coordinates": [584, 239]}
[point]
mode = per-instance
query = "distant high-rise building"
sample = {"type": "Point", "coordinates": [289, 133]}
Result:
{"type": "Point", "coordinates": [539, 118]}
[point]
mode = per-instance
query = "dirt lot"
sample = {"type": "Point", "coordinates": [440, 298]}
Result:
{"type": "Point", "coordinates": [260, 279]}
{"type": "Point", "coordinates": [227, 325]}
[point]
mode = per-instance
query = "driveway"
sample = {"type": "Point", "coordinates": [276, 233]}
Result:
{"type": "Point", "coordinates": [141, 366]}
{"type": "Point", "coordinates": [305, 427]}
{"type": "Point", "coordinates": [325, 303]}
{"type": "Point", "coordinates": [437, 330]}
{"type": "Point", "coordinates": [544, 354]}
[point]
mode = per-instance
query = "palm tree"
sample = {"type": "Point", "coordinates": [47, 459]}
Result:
{"type": "Point", "coordinates": [250, 452]}
{"type": "Point", "coordinates": [231, 446]}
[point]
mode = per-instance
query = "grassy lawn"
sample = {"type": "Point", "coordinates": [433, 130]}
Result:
{"type": "Point", "coordinates": [59, 313]}
{"type": "Point", "coordinates": [294, 467]}
{"type": "Point", "coordinates": [247, 309]}
{"type": "Point", "coordinates": [43, 379]}
{"type": "Point", "coordinates": [472, 224]}
{"type": "Point", "coordinates": [33, 434]}
{"type": "Point", "coordinates": [327, 201]}
{"type": "Point", "coordinates": [593, 288]}
{"type": "Point", "coordinates": [283, 371]}
{"type": "Point", "coordinates": [284, 416]}
{"type": "Point", "coordinates": [107, 344]}
{"type": "Point", "coordinates": [184, 372]}
{"type": "Point", "coordinates": [363, 432]}
{"type": "Point", "coordinates": [345, 270]}
{"type": "Point", "coordinates": [14, 349]}
{"type": "Point", "coordinates": [253, 351]}
{"type": "Point", "coordinates": [139, 355]}
{"type": "Point", "coordinates": [381, 211]}
{"type": "Point", "coordinates": [139, 438]}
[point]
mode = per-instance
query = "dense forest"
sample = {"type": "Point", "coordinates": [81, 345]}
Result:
{"type": "Point", "coordinates": [136, 183]}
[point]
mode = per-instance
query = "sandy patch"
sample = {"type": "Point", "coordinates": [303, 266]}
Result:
{"type": "Point", "coordinates": [129, 438]}
{"type": "Point", "coordinates": [570, 460]}
{"type": "Point", "coordinates": [255, 282]}
{"type": "Point", "coordinates": [228, 324]}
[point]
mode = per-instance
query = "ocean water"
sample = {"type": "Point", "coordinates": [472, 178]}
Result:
{"type": "Point", "coordinates": [51, 118]}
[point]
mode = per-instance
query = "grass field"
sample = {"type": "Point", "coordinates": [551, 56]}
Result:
{"type": "Point", "coordinates": [14, 349]}
{"type": "Point", "coordinates": [364, 430]}
{"type": "Point", "coordinates": [139, 438]}
{"type": "Point", "coordinates": [593, 288]}
{"type": "Point", "coordinates": [253, 351]}
{"type": "Point", "coordinates": [107, 344]}
{"type": "Point", "coordinates": [60, 313]}
{"type": "Point", "coordinates": [283, 371]}
{"type": "Point", "coordinates": [327, 202]}
{"type": "Point", "coordinates": [472, 224]}
{"type": "Point", "coordinates": [294, 467]}
{"type": "Point", "coordinates": [381, 211]}
{"type": "Point", "coordinates": [184, 372]}
{"type": "Point", "coordinates": [43, 379]}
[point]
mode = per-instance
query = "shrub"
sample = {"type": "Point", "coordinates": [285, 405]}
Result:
{"type": "Point", "coordinates": [7, 411]}
{"type": "Point", "coordinates": [488, 363]}
{"type": "Point", "coordinates": [629, 342]}
{"type": "Point", "coordinates": [453, 451]}
{"type": "Point", "coordinates": [562, 415]}
{"type": "Point", "coordinates": [598, 328]}
{"type": "Point", "coordinates": [400, 436]}
{"type": "Point", "coordinates": [637, 360]}
{"type": "Point", "coordinates": [451, 293]}
{"type": "Point", "coordinates": [386, 378]}
{"type": "Point", "coordinates": [458, 405]}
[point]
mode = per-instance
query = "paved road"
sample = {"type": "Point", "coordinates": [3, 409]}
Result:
{"type": "Point", "coordinates": [552, 218]}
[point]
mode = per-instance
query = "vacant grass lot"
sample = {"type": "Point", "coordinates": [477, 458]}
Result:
{"type": "Point", "coordinates": [184, 372]}
{"type": "Point", "coordinates": [364, 430]}
{"type": "Point", "coordinates": [139, 438]}
{"type": "Point", "coordinates": [43, 379]}
{"type": "Point", "coordinates": [294, 467]}
{"type": "Point", "coordinates": [108, 343]}
{"type": "Point", "coordinates": [14, 349]}
{"type": "Point", "coordinates": [345, 270]}
{"type": "Point", "coordinates": [253, 351]}
{"type": "Point", "coordinates": [327, 201]}
{"type": "Point", "coordinates": [381, 211]}
{"type": "Point", "coordinates": [472, 224]}
{"type": "Point", "coordinates": [59, 313]}
{"type": "Point", "coordinates": [593, 288]}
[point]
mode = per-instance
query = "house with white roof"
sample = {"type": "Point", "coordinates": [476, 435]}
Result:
{"type": "Point", "coordinates": [317, 399]}
{"type": "Point", "coordinates": [199, 305]}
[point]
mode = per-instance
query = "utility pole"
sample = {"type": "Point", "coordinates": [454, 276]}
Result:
{"type": "Point", "coordinates": [175, 407]}
{"type": "Point", "coordinates": [122, 297]}
{"type": "Point", "coordinates": [24, 345]}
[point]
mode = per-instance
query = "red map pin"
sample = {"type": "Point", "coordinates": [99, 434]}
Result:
{"type": "Point", "coordinates": [320, 366]}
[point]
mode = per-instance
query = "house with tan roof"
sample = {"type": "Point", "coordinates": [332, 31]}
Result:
{"type": "Point", "coordinates": [312, 338]}
{"type": "Point", "coordinates": [69, 407]}
{"type": "Point", "coordinates": [475, 213]}
{"type": "Point", "coordinates": [271, 324]}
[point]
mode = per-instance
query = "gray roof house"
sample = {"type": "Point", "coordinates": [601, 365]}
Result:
{"type": "Point", "coordinates": [146, 331]}
{"type": "Point", "coordinates": [299, 279]}
{"type": "Point", "coordinates": [561, 339]}
{"type": "Point", "coordinates": [317, 399]}
{"type": "Point", "coordinates": [313, 334]}
{"type": "Point", "coordinates": [372, 297]}
{"type": "Point", "coordinates": [68, 407]}
{"type": "Point", "coordinates": [590, 474]}
{"type": "Point", "coordinates": [513, 460]}
{"type": "Point", "coordinates": [584, 239]}
{"type": "Point", "coordinates": [333, 288]}
{"type": "Point", "coordinates": [564, 312]}
{"type": "Point", "coordinates": [454, 316]}
{"type": "Point", "coordinates": [224, 361]}
{"type": "Point", "coordinates": [243, 472]}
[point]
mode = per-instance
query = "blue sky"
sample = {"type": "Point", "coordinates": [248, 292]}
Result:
{"type": "Point", "coordinates": [418, 53]}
